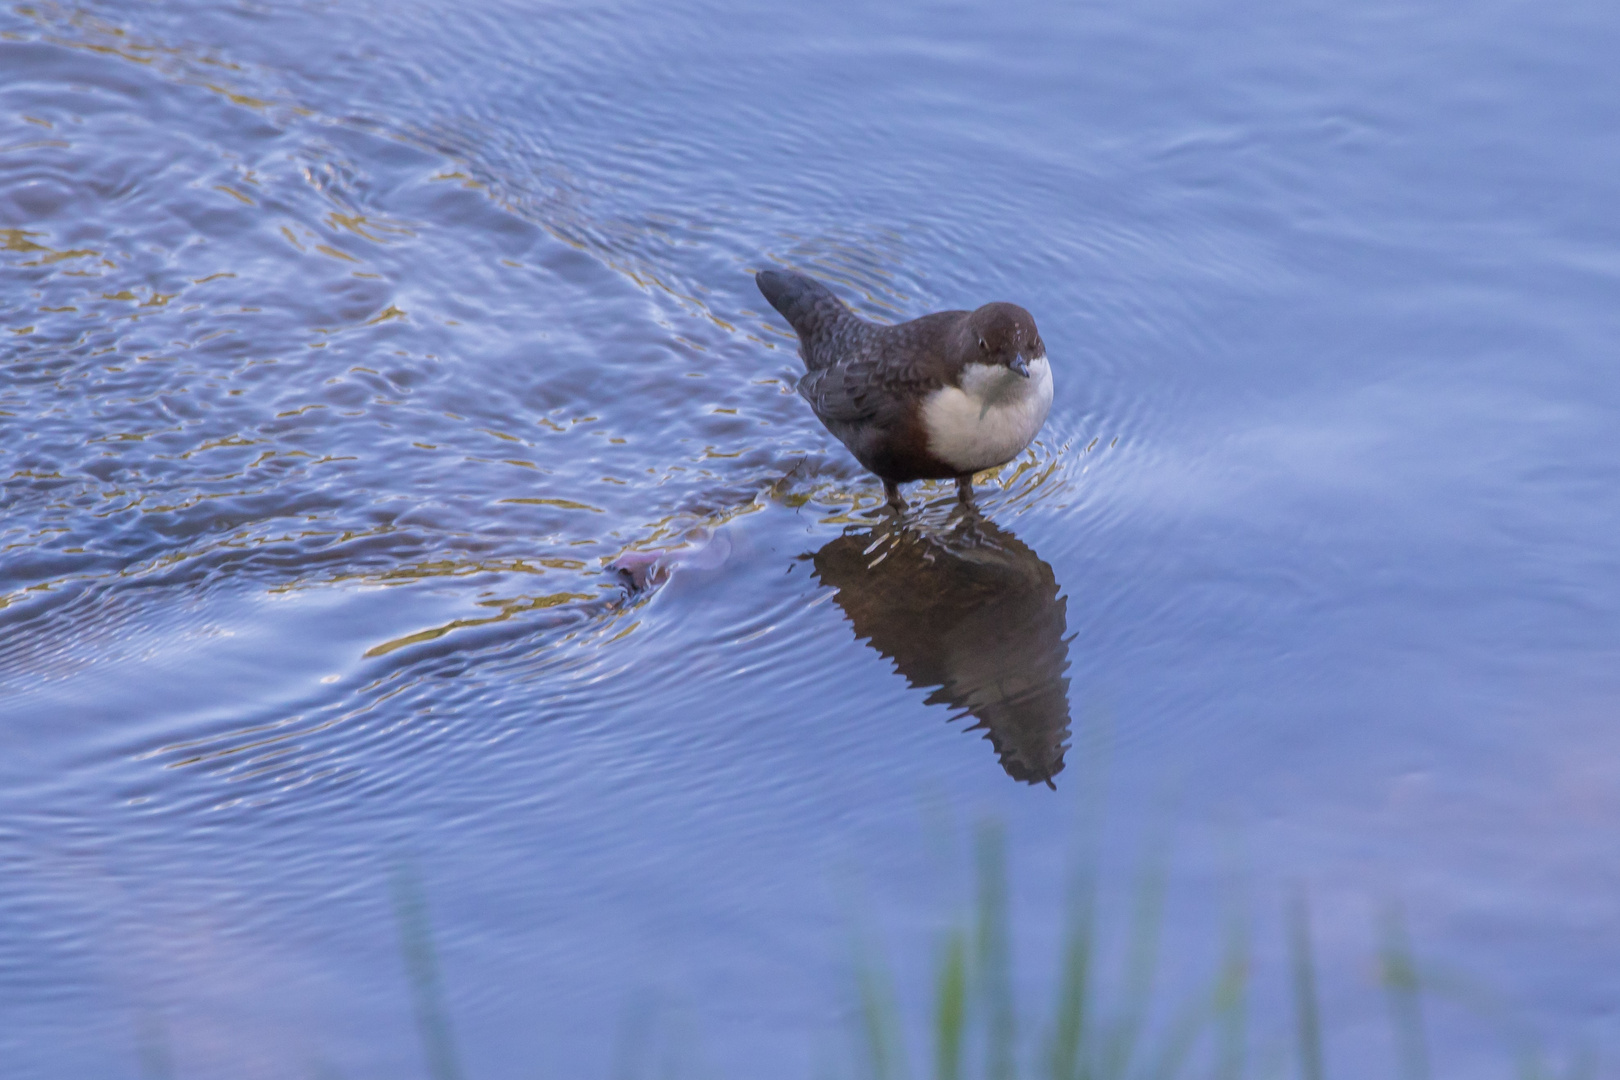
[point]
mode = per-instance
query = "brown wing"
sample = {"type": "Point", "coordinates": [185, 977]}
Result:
{"type": "Point", "coordinates": [877, 367]}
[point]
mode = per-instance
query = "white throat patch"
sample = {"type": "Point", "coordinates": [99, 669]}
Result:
{"type": "Point", "coordinates": [991, 418]}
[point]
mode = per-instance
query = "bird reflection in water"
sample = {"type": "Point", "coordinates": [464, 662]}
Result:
{"type": "Point", "coordinates": [967, 609]}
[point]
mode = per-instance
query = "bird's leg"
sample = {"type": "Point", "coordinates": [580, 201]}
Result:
{"type": "Point", "coordinates": [892, 491]}
{"type": "Point", "coordinates": [964, 490]}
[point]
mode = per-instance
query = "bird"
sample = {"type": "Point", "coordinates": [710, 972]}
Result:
{"type": "Point", "coordinates": [941, 397]}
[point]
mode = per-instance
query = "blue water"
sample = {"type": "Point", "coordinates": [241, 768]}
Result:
{"type": "Point", "coordinates": [346, 345]}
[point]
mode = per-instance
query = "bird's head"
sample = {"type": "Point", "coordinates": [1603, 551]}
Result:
{"type": "Point", "coordinates": [1004, 335]}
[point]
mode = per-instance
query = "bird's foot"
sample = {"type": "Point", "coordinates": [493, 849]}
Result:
{"type": "Point", "coordinates": [891, 493]}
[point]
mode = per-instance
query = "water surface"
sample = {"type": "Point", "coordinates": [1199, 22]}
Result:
{"type": "Point", "coordinates": [346, 346]}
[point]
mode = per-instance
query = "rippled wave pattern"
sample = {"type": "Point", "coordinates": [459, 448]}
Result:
{"type": "Point", "coordinates": [269, 349]}
{"type": "Point", "coordinates": [398, 463]}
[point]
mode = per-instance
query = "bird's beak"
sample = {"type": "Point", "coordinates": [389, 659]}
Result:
{"type": "Point", "coordinates": [1020, 365]}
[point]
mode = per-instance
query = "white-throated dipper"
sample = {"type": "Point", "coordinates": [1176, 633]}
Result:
{"type": "Point", "coordinates": [937, 398]}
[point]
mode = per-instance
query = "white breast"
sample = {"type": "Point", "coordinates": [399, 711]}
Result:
{"type": "Point", "coordinates": [991, 418]}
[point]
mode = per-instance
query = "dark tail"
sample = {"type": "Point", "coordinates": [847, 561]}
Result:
{"type": "Point", "coordinates": [808, 305]}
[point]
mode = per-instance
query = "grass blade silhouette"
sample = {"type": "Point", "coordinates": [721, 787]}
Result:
{"type": "Point", "coordinates": [879, 1016]}
{"type": "Point", "coordinates": [994, 961]}
{"type": "Point", "coordinates": [950, 1008]}
{"type": "Point", "coordinates": [1231, 1000]}
{"type": "Point", "coordinates": [1065, 1054]}
{"type": "Point", "coordinates": [1404, 989]}
{"type": "Point", "coordinates": [1307, 1018]}
{"type": "Point", "coordinates": [422, 968]}
{"type": "Point", "coordinates": [1141, 968]}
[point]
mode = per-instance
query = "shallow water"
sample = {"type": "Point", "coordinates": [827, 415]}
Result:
{"type": "Point", "coordinates": [346, 345]}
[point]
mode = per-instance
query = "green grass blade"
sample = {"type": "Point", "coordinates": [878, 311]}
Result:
{"type": "Point", "coordinates": [1307, 1017]}
{"type": "Point", "coordinates": [422, 968]}
{"type": "Point", "coordinates": [994, 961]}
{"type": "Point", "coordinates": [950, 1008]}
{"type": "Point", "coordinates": [1230, 1002]}
{"type": "Point", "coordinates": [879, 1016]}
{"type": "Point", "coordinates": [1173, 1046]}
{"type": "Point", "coordinates": [1141, 968]}
{"type": "Point", "coordinates": [1404, 989]}
{"type": "Point", "coordinates": [1064, 1055]}
{"type": "Point", "coordinates": [1068, 1050]}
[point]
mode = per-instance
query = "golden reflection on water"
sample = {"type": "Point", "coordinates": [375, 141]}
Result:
{"type": "Point", "coordinates": [729, 477]}
{"type": "Point", "coordinates": [967, 609]}
{"type": "Point", "coordinates": [508, 608]}
{"type": "Point", "coordinates": [20, 241]}
{"type": "Point", "coordinates": [562, 504]}
{"type": "Point", "coordinates": [430, 570]}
